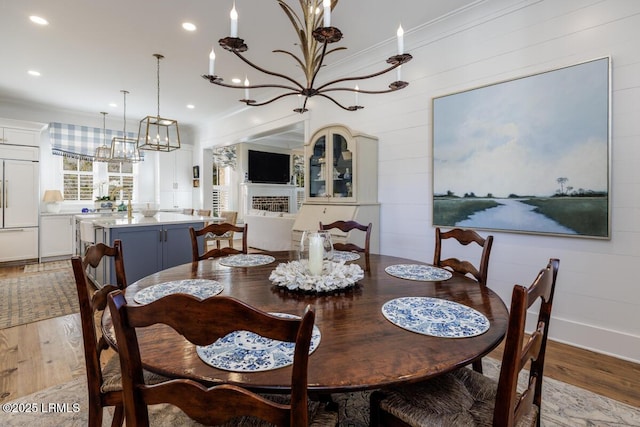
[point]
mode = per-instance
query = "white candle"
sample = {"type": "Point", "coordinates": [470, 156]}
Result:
{"type": "Point", "coordinates": [212, 59]}
{"type": "Point", "coordinates": [316, 252]}
{"type": "Point", "coordinates": [326, 4]}
{"type": "Point", "coordinates": [234, 21]}
{"type": "Point", "coordinates": [246, 90]}
{"type": "Point", "coordinates": [356, 95]}
{"type": "Point", "coordinates": [400, 35]}
{"type": "Point", "coordinates": [399, 73]}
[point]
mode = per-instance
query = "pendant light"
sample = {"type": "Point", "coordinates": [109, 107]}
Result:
{"type": "Point", "coordinates": [157, 133]}
{"type": "Point", "coordinates": [103, 153]}
{"type": "Point", "coordinates": [124, 149]}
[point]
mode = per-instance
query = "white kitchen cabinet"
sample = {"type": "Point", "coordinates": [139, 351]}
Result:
{"type": "Point", "coordinates": [175, 180]}
{"type": "Point", "coordinates": [19, 137]}
{"type": "Point", "coordinates": [56, 236]}
{"type": "Point", "coordinates": [19, 202]}
{"type": "Point", "coordinates": [18, 244]}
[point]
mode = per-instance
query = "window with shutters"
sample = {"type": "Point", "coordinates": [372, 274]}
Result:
{"type": "Point", "coordinates": [78, 179]}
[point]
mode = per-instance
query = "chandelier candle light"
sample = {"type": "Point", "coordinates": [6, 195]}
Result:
{"type": "Point", "coordinates": [157, 133]}
{"type": "Point", "coordinates": [313, 41]}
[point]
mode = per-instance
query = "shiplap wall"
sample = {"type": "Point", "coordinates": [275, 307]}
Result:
{"type": "Point", "coordinates": [597, 303]}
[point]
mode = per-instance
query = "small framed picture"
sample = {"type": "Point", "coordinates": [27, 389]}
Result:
{"type": "Point", "coordinates": [196, 173]}
{"type": "Point", "coordinates": [196, 183]}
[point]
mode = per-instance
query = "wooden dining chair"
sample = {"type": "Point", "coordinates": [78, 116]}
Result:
{"type": "Point", "coordinates": [465, 397]}
{"type": "Point", "coordinates": [230, 217]}
{"type": "Point", "coordinates": [203, 212]}
{"type": "Point", "coordinates": [347, 226]}
{"type": "Point", "coordinates": [187, 211]}
{"type": "Point", "coordinates": [479, 273]}
{"type": "Point", "coordinates": [225, 403]}
{"type": "Point", "coordinates": [216, 230]}
{"type": "Point", "coordinates": [464, 237]}
{"type": "Point", "coordinates": [104, 384]}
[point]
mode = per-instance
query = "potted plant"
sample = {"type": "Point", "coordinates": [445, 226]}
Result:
{"type": "Point", "coordinates": [107, 201]}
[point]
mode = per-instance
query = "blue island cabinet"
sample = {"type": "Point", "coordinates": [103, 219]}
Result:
{"type": "Point", "coordinates": [150, 248]}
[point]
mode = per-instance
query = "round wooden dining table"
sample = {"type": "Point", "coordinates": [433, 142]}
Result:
{"type": "Point", "coordinates": [359, 349]}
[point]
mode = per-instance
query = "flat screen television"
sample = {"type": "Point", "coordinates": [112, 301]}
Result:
{"type": "Point", "coordinates": [269, 168]}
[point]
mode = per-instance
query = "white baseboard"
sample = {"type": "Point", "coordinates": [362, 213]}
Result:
{"type": "Point", "coordinates": [612, 343]}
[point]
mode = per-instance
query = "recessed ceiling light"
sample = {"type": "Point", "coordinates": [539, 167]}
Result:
{"type": "Point", "coordinates": [191, 106]}
{"type": "Point", "coordinates": [33, 73]}
{"type": "Point", "coordinates": [38, 20]}
{"type": "Point", "coordinates": [113, 105]}
{"type": "Point", "coordinates": [236, 80]}
{"type": "Point", "coordinates": [188, 26]}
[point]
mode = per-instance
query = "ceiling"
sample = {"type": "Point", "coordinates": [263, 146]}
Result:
{"type": "Point", "coordinates": [91, 50]}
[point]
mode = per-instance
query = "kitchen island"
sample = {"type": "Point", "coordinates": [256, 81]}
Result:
{"type": "Point", "coordinates": [149, 244]}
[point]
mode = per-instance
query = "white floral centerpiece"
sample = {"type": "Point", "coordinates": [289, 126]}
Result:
{"type": "Point", "coordinates": [294, 275]}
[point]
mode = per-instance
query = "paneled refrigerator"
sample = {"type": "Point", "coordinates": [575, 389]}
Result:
{"type": "Point", "coordinates": [19, 200]}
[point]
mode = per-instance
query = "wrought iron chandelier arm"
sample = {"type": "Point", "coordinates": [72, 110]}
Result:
{"type": "Point", "coordinates": [395, 62]}
{"type": "Point", "coordinates": [253, 103]}
{"type": "Point", "coordinates": [392, 87]}
{"type": "Point", "coordinates": [351, 108]}
{"type": "Point", "coordinates": [319, 62]}
{"type": "Point", "coordinates": [218, 81]}
{"type": "Point", "coordinates": [263, 70]}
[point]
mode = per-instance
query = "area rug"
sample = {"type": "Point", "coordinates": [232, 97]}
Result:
{"type": "Point", "coordinates": [563, 405]}
{"type": "Point", "coordinates": [33, 297]}
{"type": "Point", "coordinates": [47, 266]}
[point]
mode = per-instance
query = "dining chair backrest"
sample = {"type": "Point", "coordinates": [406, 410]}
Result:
{"type": "Point", "coordinates": [203, 212]}
{"type": "Point", "coordinates": [512, 404]}
{"type": "Point", "coordinates": [464, 237]}
{"type": "Point", "coordinates": [216, 230]}
{"type": "Point", "coordinates": [221, 315]}
{"type": "Point", "coordinates": [187, 211]}
{"type": "Point", "coordinates": [230, 217]}
{"type": "Point", "coordinates": [347, 226]}
{"type": "Point", "coordinates": [93, 300]}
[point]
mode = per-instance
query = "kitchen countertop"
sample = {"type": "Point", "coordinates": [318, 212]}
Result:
{"type": "Point", "coordinates": [160, 218]}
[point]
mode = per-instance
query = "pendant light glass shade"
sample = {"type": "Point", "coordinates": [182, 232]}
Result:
{"type": "Point", "coordinates": [103, 152]}
{"type": "Point", "coordinates": [124, 149]}
{"type": "Point", "coordinates": [157, 133]}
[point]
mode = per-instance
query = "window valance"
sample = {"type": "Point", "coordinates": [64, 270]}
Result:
{"type": "Point", "coordinates": [80, 142]}
{"type": "Point", "coordinates": [225, 156]}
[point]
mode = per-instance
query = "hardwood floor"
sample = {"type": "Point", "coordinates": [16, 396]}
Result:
{"type": "Point", "coordinates": [42, 354]}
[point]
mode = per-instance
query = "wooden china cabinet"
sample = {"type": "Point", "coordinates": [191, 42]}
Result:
{"type": "Point", "coordinates": [341, 183]}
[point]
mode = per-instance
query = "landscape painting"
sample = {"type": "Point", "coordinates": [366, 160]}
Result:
{"type": "Point", "coordinates": [529, 155]}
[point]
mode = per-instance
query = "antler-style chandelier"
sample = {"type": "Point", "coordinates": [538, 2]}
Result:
{"type": "Point", "coordinates": [124, 149]}
{"type": "Point", "coordinates": [313, 40]}
{"type": "Point", "coordinates": [157, 133]}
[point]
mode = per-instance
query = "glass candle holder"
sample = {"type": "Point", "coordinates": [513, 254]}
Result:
{"type": "Point", "coordinates": [315, 248]}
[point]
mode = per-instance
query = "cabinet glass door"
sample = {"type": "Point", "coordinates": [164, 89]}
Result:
{"type": "Point", "coordinates": [318, 169]}
{"type": "Point", "coordinates": [342, 179]}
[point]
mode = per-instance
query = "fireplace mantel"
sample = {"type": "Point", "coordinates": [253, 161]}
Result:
{"type": "Point", "coordinates": [251, 190]}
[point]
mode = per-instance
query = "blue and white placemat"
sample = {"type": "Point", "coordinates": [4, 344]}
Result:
{"type": "Point", "coordinates": [345, 256]}
{"type": "Point", "coordinates": [435, 317]}
{"type": "Point", "coordinates": [420, 272]}
{"type": "Point", "coordinates": [246, 260]}
{"type": "Point", "coordinates": [244, 351]}
{"type": "Point", "coordinates": [201, 288]}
